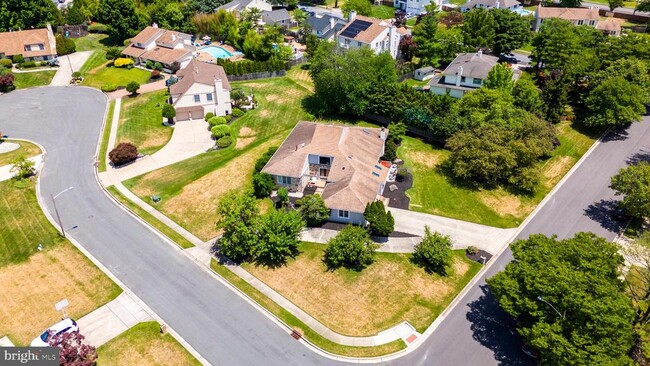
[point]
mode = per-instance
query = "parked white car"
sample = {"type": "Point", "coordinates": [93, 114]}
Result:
{"type": "Point", "coordinates": [66, 325]}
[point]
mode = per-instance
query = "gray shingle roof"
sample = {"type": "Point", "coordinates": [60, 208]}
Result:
{"type": "Point", "coordinates": [276, 15]}
{"type": "Point", "coordinates": [321, 25]}
{"type": "Point", "coordinates": [475, 65]}
{"type": "Point", "coordinates": [240, 5]}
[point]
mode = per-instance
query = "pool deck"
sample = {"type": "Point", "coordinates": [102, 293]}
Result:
{"type": "Point", "coordinates": [205, 56]}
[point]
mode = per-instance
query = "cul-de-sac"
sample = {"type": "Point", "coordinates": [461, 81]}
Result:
{"type": "Point", "coordinates": [325, 182]}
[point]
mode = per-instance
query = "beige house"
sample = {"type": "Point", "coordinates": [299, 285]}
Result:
{"type": "Point", "coordinates": [577, 16]}
{"type": "Point", "coordinates": [32, 44]}
{"type": "Point", "coordinates": [159, 45]}
{"type": "Point", "coordinates": [378, 34]}
{"type": "Point", "coordinates": [201, 88]}
{"type": "Point", "coordinates": [341, 163]}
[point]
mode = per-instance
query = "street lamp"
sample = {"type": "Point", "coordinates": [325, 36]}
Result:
{"type": "Point", "coordinates": [58, 218]}
{"type": "Point", "coordinates": [563, 316]}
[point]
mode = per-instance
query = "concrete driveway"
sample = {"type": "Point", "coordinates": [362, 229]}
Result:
{"type": "Point", "coordinates": [67, 64]}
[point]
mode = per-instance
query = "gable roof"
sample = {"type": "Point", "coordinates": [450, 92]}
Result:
{"type": "Point", "coordinates": [355, 175]}
{"type": "Point", "coordinates": [475, 65]}
{"type": "Point", "coordinates": [166, 55]}
{"type": "Point", "coordinates": [198, 72]}
{"type": "Point", "coordinates": [502, 4]}
{"type": "Point", "coordinates": [276, 15]}
{"type": "Point", "coordinates": [609, 25]}
{"type": "Point", "coordinates": [13, 43]}
{"type": "Point", "coordinates": [568, 13]}
{"type": "Point", "coordinates": [364, 29]}
{"type": "Point", "coordinates": [147, 35]}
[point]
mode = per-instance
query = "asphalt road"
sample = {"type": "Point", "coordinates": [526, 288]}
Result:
{"type": "Point", "coordinates": [220, 325]}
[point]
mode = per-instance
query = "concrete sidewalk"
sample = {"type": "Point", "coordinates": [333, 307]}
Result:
{"type": "Point", "coordinates": [67, 64]}
{"type": "Point", "coordinates": [5, 170]}
{"type": "Point", "coordinates": [111, 320]}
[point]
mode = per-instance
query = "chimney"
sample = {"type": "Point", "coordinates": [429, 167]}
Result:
{"type": "Point", "coordinates": [382, 134]}
{"type": "Point", "coordinates": [496, 4]}
{"type": "Point", "coordinates": [218, 86]}
{"type": "Point", "coordinates": [332, 22]}
{"type": "Point", "coordinates": [352, 15]}
{"type": "Point", "coordinates": [154, 25]}
{"type": "Point", "coordinates": [173, 37]}
{"type": "Point", "coordinates": [459, 74]}
{"type": "Point", "coordinates": [393, 43]}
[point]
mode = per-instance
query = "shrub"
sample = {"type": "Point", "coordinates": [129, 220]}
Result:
{"type": "Point", "coordinates": [132, 87]}
{"type": "Point", "coordinates": [350, 248]}
{"type": "Point", "coordinates": [123, 62]}
{"type": "Point", "coordinates": [471, 250]}
{"type": "Point", "coordinates": [433, 253]}
{"type": "Point", "coordinates": [279, 237]}
{"type": "Point", "coordinates": [224, 142]}
{"type": "Point", "coordinates": [64, 45]}
{"type": "Point", "coordinates": [208, 116]}
{"type": "Point", "coordinates": [309, 117]}
{"type": "Point", "coordinates": [228, 117]}
{"type": "Point", "coordinates": [44, 63]}
{"type": "Point", "coordinates": [22, 167]}
{"type": "Point", "coordinates": [158, 66]}
{"type": "Point", "coordinates": [107, 88]}
{"type": "Point", "coordinates": [18, 59]}
{"type": "Point", "coordinates": [216, 121]}
{"type": "Point", "coordinates": [237, 113]}
{"type": "Point", "coordinates": [123, 153]}
{"type": "Point", "coordinates": [175, 66]}
{"type": "Point", "coordinates": [396, 132]}
{"type": "Point", "coordinates": [113, 53]}
{"type": "Point", "coordinates": [263, 185]}
{"type": "Point", "coordinates": [5, 62]}
{"type": "Point", "coordinates": [149, 64]}
{"type": "Point", "coordinates": [97, 28]}
{"type": "Point", "coordinates": [27, 65]}
{"type": "Point", "coordinates": [155, 74]}
{"type": "Point", "coordinates": [402, 173]}
{"type": "Point", "coordinates": [283, 196]}
{"type": "Point", "coordinates": [380, 221]}
{"type": "Point", "coordinates": [390, 150]}
{"type": "Point", "coordinates": [313, 209]}
{"type": "Point", "coordinates": [220, 131]}
{"type": "Point", "coordinates": [76, 74]}
{"type": "Point", "coordinates": [259, 163]}
{"type": "Point", "coordinates": [169, 112]}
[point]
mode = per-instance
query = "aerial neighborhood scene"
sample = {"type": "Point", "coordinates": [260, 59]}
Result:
{"type": "Point", "coordinates": [325, 182]}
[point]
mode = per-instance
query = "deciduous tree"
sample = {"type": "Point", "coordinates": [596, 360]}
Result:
{"type": "Point", "coordinates": [73, 351]}
{"type": "Point", "coordinates": [169, 112]}
{"type": "Point", "coordinates": [500, 77]}
{"type": "Point", "coordinates": [350, 248]}
{"type": "Point", "coordinates": [25, 14]}
{"type": "Point", "coordinates": [362, 7]}
{"type": "Point", "coordinates": [279, 237]}
{"type": "Point", "coordinates": [615, 102]}
{"type": "Point", "coordinates": [263, 185]}
{"type": "Point", "coordinates": [238, 214]}
{"type": "Point", "coordinates": [121, 17]}
{"type": "Point", "coordinates": [22, 168]}
{"type": "Point", "coordinates": [633, 183]}
{"type": "Point", "coordinates": [512, 32]}
{"type": "Point", "coordinates": [313, 209]}
{"type": "Point", "coordinates": [132, 87]}
{"type": "Point", "coordinates": [479, 28]}
{"type": "Point", "coordinates": [526, 95]}
{"type": "Point", "coordinates": [424, 35]}
{"type": "Point", "coordinates": [433, 253]}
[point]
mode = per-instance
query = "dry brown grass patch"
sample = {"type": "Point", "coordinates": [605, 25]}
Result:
{"type": "Point", "coordinates": [154, 352]}
{"type": "Point", "coordinates": [30, 290]}
{"type": "Point", "coordinates": [556, 169]}
{"type": "Point", "coordinates": [504, 203]}
{"type": "Point", "coordinates": [271, 98]}
{"type": "Point", "coordinates": [243, 142]}
{"type": "Point", "coordinates": [428, 159]}
{"type": "Point", "coordinates": [247, 132]}
{"type": "Point", "coordinates": [264, 113]}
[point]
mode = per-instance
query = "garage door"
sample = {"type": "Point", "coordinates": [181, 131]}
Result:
{"type": "Point", "coordinates": [182, 116]}
{"type": "Point", "coordinates": [197, 114]}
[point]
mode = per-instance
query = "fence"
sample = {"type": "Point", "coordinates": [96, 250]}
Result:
{"type": "Point", "coordinates": [257, 75]}
{"type": "Point", "coordinates": [410, 130]}
{"type": "Point", "coordinates": [73, 31]}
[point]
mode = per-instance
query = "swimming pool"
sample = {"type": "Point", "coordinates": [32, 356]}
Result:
{"type": "Point", "coordinates": [523, 12]}
{"type": "Point", "coordinates": [217, 52]}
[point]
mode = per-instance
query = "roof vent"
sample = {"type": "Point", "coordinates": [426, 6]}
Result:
{"type": "Point", "coordinates": [378, 167]}
{"type": "Point", "coordinates": [366, 131]}
{"type": "Point", "coordinates": [375, 174]}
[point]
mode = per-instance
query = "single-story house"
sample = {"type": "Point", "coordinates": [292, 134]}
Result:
{"type": "Point", "coordinates": [279, 17]}
{"type": "Point", "coordinates": [577, 16]}
{"type": "Point", "coordinates": [32, 44]}
{"type": "Point", "coordinates": [511, 5]}
{"type": "Point", "coordinates": [201, 88]}
{"type": "Point", "coordinates": [465, 74]}
{"type": "Point", "coordinates": [424, 73]}
{"type": "Point", "coordinates": [159, 45]}
{"type": "Point", "coordinates": [238, 5]}
{"type": "Point", "coordinates": [326, 26]}
{"type": "Point", "coordinates": [341, 163]}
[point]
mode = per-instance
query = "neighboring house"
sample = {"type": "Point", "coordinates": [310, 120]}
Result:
{"type": "Point", "coordinates": [32, 44]}
{"type": "Point", "coordinates": [610, 26]}
{"type": "Point", "coordinates": [280, 17]}
{"type": "Point", "coordinates": [416, 7]}
{"type": "Point", "coordinates": [577, 16]}
{"type": "Point", "coordinates": [238, 5]}
{"type": "Point", "coordinates": [378, 34]}
{"type": "Point", "coordinates": [160, 45]}
{"type": "Point", "coordinates": [424, 73]}
{"type": "Point", "coordinates": [466, 73]}
{"type": "Point", "coordinates": [326, 26]}
{"type": "Point", "coordinates": [201, 88]}
{"type": "Point", "coordinates": [512, 5]}
{"type": "Point", "coordinates": [341, 163]}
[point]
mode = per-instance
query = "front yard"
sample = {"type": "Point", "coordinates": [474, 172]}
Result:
{"type": "Point", "coordinates": [103, 75]}
{"type": "Point", "coordinates": [383, 12]}
{"type": "Point", "coordinates": [389, 291]}
{"type": "Point", "coordinates": [26, 149]}
{"type": "Point", "coordinates": [24, 80]}
{"type": "Point", "coordinates": [141, 120]}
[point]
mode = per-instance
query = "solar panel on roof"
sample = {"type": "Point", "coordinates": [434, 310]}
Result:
{"type": "Point", "coordinates": [355, 28]}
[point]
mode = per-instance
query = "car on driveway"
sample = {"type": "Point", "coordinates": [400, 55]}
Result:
{"type": "Point", "coordinates": [66, 325]}
{"type": "Point", "coordinates": [508, 57]}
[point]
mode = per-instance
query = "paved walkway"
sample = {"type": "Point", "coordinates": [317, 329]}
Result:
{"type": "Point", "coordinates": [5, 171]}
{"type": "Point", "coordinates": [67, 64]}
{"type": "Point", "coordinates": [111, 320]}
{"type": "Point", "coordinates": [145, 88]}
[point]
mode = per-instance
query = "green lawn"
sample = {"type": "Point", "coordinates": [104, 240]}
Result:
{"type": "Point", "coordinates": [24, 80]}
{"type": "Point", "coordinates": [26, 149]}
{"type": "Point", "coordinates": [382, 12]}
{"type": "Point", "coordinates": [103, 75]}
{"type": "Point", "coordinates": [411, 22]}
{"type": "Point", "coordinates": [416, 83]}
{"type": "Point", "coordinates": [434, 193]}
{"type": "Point", "coordinates": [151, 219]}
{"type": "Point", "coordinates": [626, 4]}
{"type": "Point", "coordinates": [143, 345]}
{"type": "Point", "coordinates": [23, 224]}
{"type": "Point", "coordinates": [140, 122]}
{"type": "Point", "coordinates": [295, 323]}
{"type": "Point", "coordinates": [105, 136]}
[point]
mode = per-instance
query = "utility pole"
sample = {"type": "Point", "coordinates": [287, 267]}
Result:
{"type": "Point", "coordinates": [58, 217]}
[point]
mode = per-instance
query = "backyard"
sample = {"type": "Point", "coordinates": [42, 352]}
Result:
{"type": "Point", "coordinates": [387, 292]}
{"type": "Point", "coordinates": [143, 345]}
{"type": "Point", "coordinates": [383, 12]}
{"type": "Point", "coordinates": [58, 271]}
{"type": "Point", "coordinates": [24, 80]}
{"type": "Point", "coordinates": [141, 120]}
{"type": "Point", "coordinates": [26, 149]}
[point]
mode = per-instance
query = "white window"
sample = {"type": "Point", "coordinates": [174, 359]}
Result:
{"type": "Point", "coordinates": [197, 98]}
{"type": "Point", "coordinates": [284, 180]}
{"type": "Point", "coordinates": [344, 214]}
{"type": "Point", "coordinates": [209, 96]}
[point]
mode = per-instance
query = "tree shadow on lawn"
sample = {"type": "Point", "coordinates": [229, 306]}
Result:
{"type": "Point", "coordinates": [608, 214]}
{"type": "Point", "coordinates": [496, 330]}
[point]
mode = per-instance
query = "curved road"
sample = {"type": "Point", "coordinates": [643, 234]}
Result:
{"type": "Point", "coordinates": [220, 325]}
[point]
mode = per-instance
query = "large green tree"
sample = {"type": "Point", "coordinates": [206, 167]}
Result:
{"type": "Point", "coordinates": [380, 221]}
{"type": "Point", "coordinates": [424, 36]}
{"type": "Point", "coordinates": [449, 42]}
{"type": "Point", "coordinates": [238, 213]}
{"type": "Point", "coordinates": [555, 44]}
{"type": "Point", "coordinates": [512, 32]}
{"type": "Point", "coordinates": [633, 183]}
{"type": "Point", "coordinates": [204, 6]}
{"type": "Point", "coordinates": [25, 14]}
{"type": "Point", "coordinates": [121, 17]}
{"type": "Point", "coordinates": [313, 209]}
{"type": "Point", "coordinates": [479, 28]}
{"type": "Point", "coordinates": [500, 77]}
{"type": "Point", "coordinates": [278, 237]}
{"type": "Point", "coordinates": [362, 7]}
{"type": "Point", "coordinates": [568, 298]}
{"type": "Point", "coordinates": [350, 248]}
{"type": "Point", "coordinates": [526, 95]}
{"type": "Point", "coordinates": [615, 102]}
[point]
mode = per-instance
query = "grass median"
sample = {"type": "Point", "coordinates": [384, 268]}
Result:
{"type": "Point", "coordinates": [105, 136]}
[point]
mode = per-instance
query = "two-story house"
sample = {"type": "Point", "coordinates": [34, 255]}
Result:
{"type": "Point", "coordinates": [201, 88]}
{"type": "Point", "coordinates": [32, 44]}
{"type": "Point", "coordinates": [577, 16]}
{"type": "Point", "coordinates": [466, 73]}
{"type": "Point", "coordinates": [512, 5]}
{"type": "Point", "coordinates": [159, 45]}
{"type": "Point", "coordinates": [341, 163]}
{"type": "Point", "coordinates": [417, 7]}
{"type": "Point", "coordinates": [279, 17]}
{"type": "Point", "coordinates": [378, 34]}
{"type": "Point", "coordinates": [326, 26]}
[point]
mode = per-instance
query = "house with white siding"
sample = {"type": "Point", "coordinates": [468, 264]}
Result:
{"type": "Point", "coordinates": [341, 163]}
{"type": "Point", "coordinates": [416, 7]}
{"type": "Point", "coordinates": [201, 88]}
{"type": "Point", "coordinates": [380, 35]}
{"type": "Point", "coordinates": [160, 45]}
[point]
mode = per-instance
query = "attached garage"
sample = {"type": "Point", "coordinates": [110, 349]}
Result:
{"type": "Point", "coordinates": [189, 113]}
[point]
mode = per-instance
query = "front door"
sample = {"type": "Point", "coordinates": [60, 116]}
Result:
{"type": "Point", "coordinates": [324, 172]}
